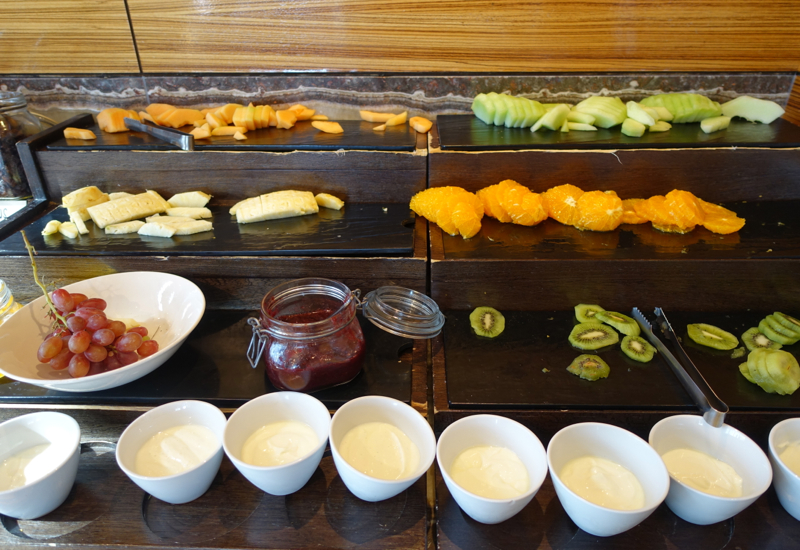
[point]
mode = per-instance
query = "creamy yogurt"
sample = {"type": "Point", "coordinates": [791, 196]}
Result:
{"type": "Point", "coordinates": [381, 450]}
{"type": "Point", "coordinates": [703, 472]}
{"type": "Point", "coordinates": [790, 456]}
{"type": "Point", "coordinates": [603, 482]}
{"type": "Point", "coordinates": [176, 450]}
{"type": "Point", "coordinates": [279, 443]}
{"type": "Point", "coordinates": [490, 472]}
{"type": "Point", "coordinates": [27, 466]}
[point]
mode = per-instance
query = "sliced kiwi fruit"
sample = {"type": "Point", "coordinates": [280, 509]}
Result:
{"type": "Point", "coordinates": [789, 322]}
{"type": "Point", "coordinates": [738, 352]}
{"type": "Point", "coordinates": [778, 325]}
{"type": "Point", "coordinates": [487, 321]}
{"type": "Point", "coordinates": [637, 348]}
{"type": "Point", "coordinates": [585, 313]}
{"type": "Point", "coordinates": [589, 367]}
{"type": "Point", "coordinates": [769, 331]}
{"type": "Point", "coordinates": [754, 338]}
{"type": "Point", "coordinates": [592, 335]}
{"type": "Point", "coordinates": [775, 371]}
{"type": "Point", "coordinates": [711, 336]}
{"type": "Point", "coordinates": [621, 322]}
{"type": "Point", "coordinates": [743, 368]}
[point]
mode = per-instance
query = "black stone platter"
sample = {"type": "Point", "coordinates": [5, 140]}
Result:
{"type": "Point", "coordinates": [212, 366]}
{"type": "Point", "coordinates": [356, 230]}
{"type": "Point", "coordinates": [357, 135]}
{"type": "Point", "coordinates": [469, 133]}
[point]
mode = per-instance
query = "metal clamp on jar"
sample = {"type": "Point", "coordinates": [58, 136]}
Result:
{"type": "Point", "coordinates": [310, 338]}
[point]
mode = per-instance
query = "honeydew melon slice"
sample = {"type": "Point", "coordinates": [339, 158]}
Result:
{"type": "Point", "coordinates": [633, 128]}
{"type": "Point", "coordinates": [483, 108]}
{"type": "Point", "coordinates": [685, 107]}
{"type": "Point", "coordinates": [565, 126]}
{"type": "Point", "coordinates": [663, 113]}
{"type": "Point", "coordinates": [607, 111]}
{"type": "Point", "coordinates": [550, 106]}
{"type": "Point", "coordinates": [500, 110]}
{"type": "Point", "coordinates": [752, 109]}
{"type": "Point", "coordinates": [638, 113]}
{"type": "Point", "coordinates": [552, 119]}
{"type": "Point", "coordinates": [715, 124]}
{"type": "Point", "coordinates": [514, 112]}
{"type": "Point", "coordinates": [660, 126]}
{"type": "Point", "coordinates": [582, 118]}
{"type": "Point", "coordinates": [581, 127]}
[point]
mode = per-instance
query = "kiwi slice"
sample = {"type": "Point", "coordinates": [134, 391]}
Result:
{"type": "Point", "coordinates": [487, 321]}
{"type": "Point", "coordinates": [789, 322]}
{"type": "Point", "coordinates": [621, 322]}
{"type": "Point", "coordinates": [743, 368]}
{"type": "Point", "coordinates": [769, 331]}
{"type": "Point", "coordinates": [711, 336]}
{"type": "Point", "coordinates": [775, 371]}
{"type": "Point", "coordinates": [589, 367]}
{"type": "Point", "coordinates": [637, 348]}
{"type": "Point", "coordinates": [592, 335]}
{"type": "Point", "coordinates": [585, 313]}
{"type": "Point", "coordinates": [754, 338]}
{"type": "Point", "coordinates": [777, 325]}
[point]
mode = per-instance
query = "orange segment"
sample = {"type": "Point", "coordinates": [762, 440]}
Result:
{"type": "Point", "coordinates": [719, 219]}
{"type": "Point", "coordinates": [562, 203]}
{"type": "Point", "coordinates": [535, 211]}
{"type": "Point", "coordinates": [599, 211]}
{"type": "Point", "coordinates": [490, 198]}
{"type": "Point", "coordinates": [684, 208]}
{"type": "Point", "coordinates": [629, 214]}
{"type": "Point", "coordinates": [465, 220]}
{"type": "Point", "coordinates": [439, 203]}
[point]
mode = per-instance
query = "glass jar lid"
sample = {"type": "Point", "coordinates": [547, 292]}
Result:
{"type": "Point", "coordinates": [11, 101]}
{"type": "Point", "coordinates": [403, 312]}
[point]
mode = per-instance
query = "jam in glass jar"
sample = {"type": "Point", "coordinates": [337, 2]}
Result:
{"type": "Point", "coordinates": [313, 339]}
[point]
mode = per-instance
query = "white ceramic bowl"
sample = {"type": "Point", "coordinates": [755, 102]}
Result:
{"type": "Point", "coordinates": [45, 493]}
{"type": "Point", "coordinates": [786, 482]}
{"type": "Point", "coordinates": [373, 408]}
{"type": "Point", "coordinates": [621, 447]}
{"type": "Point", "coordinates": [495, 431]}
{"type": "Point", "coordinates": [162, 301]}
{"type": "Point", "coordinates": [724, 443]}
{"type": "Point", "coordinates": [184, 486]}
{"type": "Point", "coordinates": [277, 407]}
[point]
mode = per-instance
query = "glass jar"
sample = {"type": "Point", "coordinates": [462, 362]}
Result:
{"type": "Point", "coordinates": [7, 304]}
{"type": "Point", "coordinates": [16, 123]}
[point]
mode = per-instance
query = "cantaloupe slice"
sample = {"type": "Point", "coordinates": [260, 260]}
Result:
{"type": "Point", "coordinates": [371, 116]}
{"type": "Point", "coordinates": [201, 133]}
{"type": "Point", "coordinates": [327, 127]}
{"type": "Point", "coordinates": [226, 112]}
{"type": "Point", "coordinates": [420, 124]}
{"type": "Point", "coordinates": [156, 109]}
{"type": "Point", "coordinates": [79, 133]}
{"type": "Point", "coordinates": [228, 130]}
{"type": "Point", "coordinates": [303, 112]}
{"type": "Point", "coordinates": [257, 117]}
{"type": "Point", "coordinates": [144, 115]}
{"type": "Point", "coordinates": [178, 118]}
{"type": "Point", "coordinates": [319, 117]}
{"type": "Point", "coordinates": [111, 120]}
{"type": "Point", "coordinates": [215, 120]}
{"type": "Point", "coordinates": [239, 136]}
{"type": "Point", "coordinates": [285, 118]}
{"type": "Point", "coordinates": [267, 116]}
{"type": "Point", "coordinates": [397, 120]}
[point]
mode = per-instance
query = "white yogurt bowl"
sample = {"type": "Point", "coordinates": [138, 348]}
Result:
{"type": "Point", "coordinates": [373, 408]}
{"type": "Point", "coordinates": [724, 443]}
{"type": "Point", "coordinates": [621, 447]}
{"type": "Point", "coordinates": [277, 407]}
{"type": "Point", "coordinates": [786, 482]}
{"type": "Point", "coordinates": [494, 431]}
{"type": "Point", "coordinates": [50, 484]}
{"type": "Point", "coordinates": [189, 484]}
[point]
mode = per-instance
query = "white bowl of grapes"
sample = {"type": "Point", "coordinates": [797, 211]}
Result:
{"type": "Point", "coordinates": [100, 333]}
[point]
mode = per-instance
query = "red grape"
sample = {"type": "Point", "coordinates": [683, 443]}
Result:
{"type": "Point", "coordinates": [97, 303]}
{"type": "Point", "coordinates": [78, 366]}
{"type": "Point", "coordinates": [95, 353]}
{"type": "Point", "coordinates": [148, 348]}
{"type": "Point", "coordinates": [77, 298]}
{"type": "Point", "coordinates": [118, 327]}
{"type": "Point", "coordinates": [61, 361]}
{"type": "Point", "coordinates": [127, 357]}
{"type": "Point", "coordinates": [75, 323]}
{"type": "Point", "coordinates": [96, 368]}
{"type": "Point", "coordinates": [79, 341]}
{"type": "Point", "coordinates": [103, 337]}
{"type": "Point", "coordinates": [49, 348]}
{"type": "Point", "coordinates": [141, 331]}
{"type": "Point", "coordinates": [112, 362]}
{"type": "Point", "coordinates": [62, 299]}
{"type": "Point", "coordinates": [97, 321]}
{"type": "Point", "coordinates": [87, 312]}
{"type": "Point", "coordinates": [128, 342]}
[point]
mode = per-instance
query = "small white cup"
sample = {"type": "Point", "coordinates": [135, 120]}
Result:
{"type": "Point", "coordinates": [786, 482]}
{"type": "Point", "coordinates": [373, 408]}
{"type": "Point", "coordinates": [47, 493]}
{"type": "Point", "coordinates": [495, 431]}
{"type": "Point", "coordinates": [621, 447]}
{"type": "Point", "coordinates": [184, 486]}
{"type": "Point", "coordinates": [724, 443]}
{"type": "Point", "coordinates": [277, 407]}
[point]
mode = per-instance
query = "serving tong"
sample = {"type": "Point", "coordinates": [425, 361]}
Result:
{"type": "Point", "coordinates": [714, 409]}
{"type": "Point", "coordinates": [173, 137]}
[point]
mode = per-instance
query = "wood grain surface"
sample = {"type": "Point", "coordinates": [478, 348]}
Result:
{"type": "Point", "coordinates": [471, 35]}
{"type": "Point", "coordinates": [66, 36]}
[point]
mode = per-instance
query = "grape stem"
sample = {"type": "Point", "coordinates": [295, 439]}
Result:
{"type": "Point", "coordinates": [31, 253]}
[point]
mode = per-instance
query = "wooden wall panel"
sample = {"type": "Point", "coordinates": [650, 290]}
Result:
{"type": "Point", "coordinates": [466, 35]}
{"type": "Point", "coordinates": [65, 36]}
{"type": "Point", "coordinates": [793, 106]}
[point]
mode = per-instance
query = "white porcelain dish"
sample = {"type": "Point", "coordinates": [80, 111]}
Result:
{"type": "Point", "coordinates": [724, 443]}
{"type": "Point", "coordinates": [161, 302]}
{"type": "Point", "coordinates": [277, 407]}
{"type": "Point", "coordinates": [184, 486]}
{"type": "Point", "coordinates": [374, 408]}
{"type": "Point", "coordinates": [45, 494]}
{"type": "Point", "coordinates": [495, 431]}
{"type": "Point", "coordinates": [785, 481]}
{"type": "Point", "coordinates": [621, 447]}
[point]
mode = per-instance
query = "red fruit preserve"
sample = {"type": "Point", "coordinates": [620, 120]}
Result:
{"type": "Point", "coordinates": [315, 340]}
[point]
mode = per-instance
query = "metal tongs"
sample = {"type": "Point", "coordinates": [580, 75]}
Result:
{"type": "Point", "coordinates": [174, 137]}
{"type": "Point", "coordinates": [714, 409]}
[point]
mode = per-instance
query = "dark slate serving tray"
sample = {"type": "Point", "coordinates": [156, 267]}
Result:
{"type": "Point", "coordinates": [506, 371]}
{"type": "Point", "coordinates": [772, 230]}
{"type": "Point", "coordinates": [356, 230]}
{"type": "Point", "coordinates": [357, 135]}
{"type": "Point", "coordinates": [212, 366]}
{"type": "Point", "coordinates": [469, 133]}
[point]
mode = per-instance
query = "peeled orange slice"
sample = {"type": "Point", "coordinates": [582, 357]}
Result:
{"type": "Point", "coordinates": [684, 208]}
{"type": "Point", "coordinates": [440, 204]}
{"type": "Point", "coordinates": [719, 219]}
{"type": "Point", "coordinates": [599, 211]}
{"type": "Point", "coordinates": [562, 203]}
{"type": "Point", "coordinates": [629, 214]}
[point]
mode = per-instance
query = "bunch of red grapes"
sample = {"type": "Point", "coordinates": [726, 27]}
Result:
{"type": "Point", "coordinates": [90, 342]}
